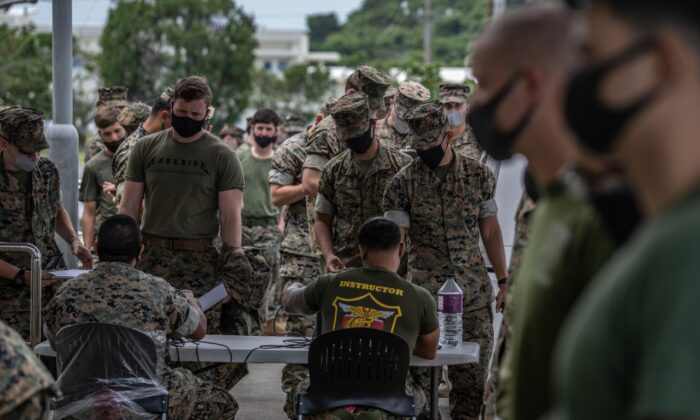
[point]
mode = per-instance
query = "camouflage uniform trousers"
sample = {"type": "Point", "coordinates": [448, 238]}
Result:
{"type": "Point", "coordinates": [266, 239]}
{"type": "Point", "coordinates": [468, 381]}
{"type": "Point", "coordinates": [296, 269]}
{"type": "Point", "coordinates": [412, 388]}
{"type": "Point", "coordinates": [198, 272]}
{"type": "Point", "coordinates": [15, 303]}
{"type": "Point", "coordinates": [206, 401]}
{"type": "Point", "coordinates": [36, 407]}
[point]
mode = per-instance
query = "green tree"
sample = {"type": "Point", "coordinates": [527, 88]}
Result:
{"type": "Point", "coordinates": [300, 90]}
{"type": "Point", "coordinates": [150, 44]}
{"type": "Point", "coordinates": [389, 32]}
{"type": "Point", "coordinates": [25, 71]}
{"type": "Point", "coordinates": [320, 26]}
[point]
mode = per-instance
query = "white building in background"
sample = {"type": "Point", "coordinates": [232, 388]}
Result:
{"type": "Point", "coordinates": [279, 49]}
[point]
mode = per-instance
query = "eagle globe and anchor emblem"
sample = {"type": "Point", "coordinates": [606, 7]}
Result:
{"type": "Point", "coordinates": [365, 311]}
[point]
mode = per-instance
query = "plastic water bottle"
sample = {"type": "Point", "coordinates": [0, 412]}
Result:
{"type": "Point", "coordinates": [450, 299]}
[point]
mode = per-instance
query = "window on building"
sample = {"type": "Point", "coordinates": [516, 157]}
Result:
{"type": "Point", "coordinates": [282, 65]}
{"type": "Point", "coordinates": [267, 65]}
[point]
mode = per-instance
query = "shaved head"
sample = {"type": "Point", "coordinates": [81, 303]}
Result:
{"type": "Point", "coordinates": [542, 34]}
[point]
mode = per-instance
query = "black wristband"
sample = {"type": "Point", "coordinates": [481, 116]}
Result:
{"type": "Point", "coordinates": [502, 281]}
{"type": "Point", "coordinates": [19, 278]}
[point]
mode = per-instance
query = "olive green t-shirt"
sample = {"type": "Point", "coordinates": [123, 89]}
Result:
{"type": "Point", "coordinates": [442, 171]}
{"type": "Point", "coordinates": [631, 346]}
{"type": "Point", "coordinates": [97, 171]}
{"type": "Point", "coordinates": [567, 246]}
{"type": "Point", "coordinates": [372, 297]}
{"type": "Point", "coordinates": [182, 183]}
{"type": "Point", "coordinates": [363, 165]}
{"type": "Point", "coordinates": [256, 198]}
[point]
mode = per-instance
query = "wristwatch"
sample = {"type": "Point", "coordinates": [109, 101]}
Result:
{"type": "Point", "coordinates": [19, 278]}
{"type": "Point", "coordinates": [502, 281]}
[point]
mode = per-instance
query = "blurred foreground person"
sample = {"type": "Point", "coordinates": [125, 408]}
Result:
{"type": "Point", "coordinates": [630, 348]}
{"type": "Point", "coordinates": [518, 110]}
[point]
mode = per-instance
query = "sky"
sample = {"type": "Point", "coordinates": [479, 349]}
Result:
{"type": "Point", "coordinates": [269, 14]}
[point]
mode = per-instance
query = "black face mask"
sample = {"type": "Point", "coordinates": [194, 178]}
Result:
{"type": "Point", "coordinates": [186, 126]}
{"type": "Point", "coordinates": [264, 141]}
{"type": "Point", "coordinates": [496, 142]}
{"type": "Point", "coordinates": [360, 144]}
{"type": "Point", "coordinates": [114, 145]}
{"type": "Point", "coordinates": [596, 125]}
{"type": "Point", "coordinates": [433, 156]}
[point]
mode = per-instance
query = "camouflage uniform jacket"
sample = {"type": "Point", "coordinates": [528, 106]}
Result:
{"type": "Point", "coordinates": [93, 146]}
{"type": "Point", "coordinates": [30, 217]}
{"type": "Point", "coordinates": [287, 167]}
{"type": "Point", "coordinates": [121, 156]}
{"type": "Point", "coordinates": [323, 144]}
{"type": "Point", "coordinates": [466, 144]}
{"type": "Point", "coordinates": [443, 224]}
{"type": "Point", "coordinates": [356, 198]}
{"type": "Point", "coordinates": [119, 294]}
{"type": "Point", "coordinates": [22, 376]}
{"type": "Point", "coordinates": [387, 134]}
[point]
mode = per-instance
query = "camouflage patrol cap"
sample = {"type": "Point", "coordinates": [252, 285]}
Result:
{"type": "Point", "coordinates": [167, 94]}
{"type": "Point", "coordinates": [427, 123]}
{"type": "Point", "coordinates": [133, 115]}
{"type": "Point", "coordinates": [112, 96]}
{"type": "Point", "coordinates": [390, 92]}
{"type": "Point", "coordinates": [351, 114]}
{"type": "Point", "coordinates": [23, 127]}
{"type": "Point", "coordinates": [409, 95]}
{"type": "Point", "coordinates": [453, 93]}
{"type": "Point", "coordinates": [373, 83]}
{"type": "Point", "coordinates": [231, 130]}
{"type": "Point", "coordinates": [294, 124]}
{"type": "Point", "coordinates": [326, 107]}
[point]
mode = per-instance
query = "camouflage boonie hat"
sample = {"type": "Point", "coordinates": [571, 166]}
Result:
{"type": "Point", "coordinates": [373, 83]}
{"type": "Point", "coordinates": [231, 130]}
{"type": "Point", "coordinates": [453, 93]}
{"type": "Point", "coordinates": [112, 96]}
{"type": "Point", "coordinates": [427, 123]}
{"type": "Point", "coordinates": [294, 124]}
{"type": "Point", "coordinates": [23, 127]}
{"type": "Point", "coordinates": [134, 114]}
{"type": "Point", "coordinates": [326, 107]}
{"type": "Point", "coordinates": [351, 114]}
{"type": "Point", "coordinates": [409, 95]}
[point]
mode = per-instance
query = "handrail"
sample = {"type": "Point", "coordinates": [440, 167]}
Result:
{"type": "Point", "coordinates": [35, 285]}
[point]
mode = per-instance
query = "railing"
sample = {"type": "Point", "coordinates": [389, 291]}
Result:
{"type": "Point", "coordinates": [35, 287]}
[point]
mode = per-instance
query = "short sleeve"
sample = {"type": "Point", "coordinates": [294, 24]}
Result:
{"type": "Point", "coordinates": [230, 172]}
{"type": "Point", "coordinates": [488, 208]}
{"type": "Point", "coordinates": [135, 170]}
{"type": "Point", "coordinates": [488, 184]}
{"type": "Point", "coordinates": [318, 151]}
{"type": "Point", "coordinates": [395, 203]}
{"type": "Point", "coordinates": [88, 186]}
{"type": "Point", "coordinates": [177, 309]}
{"type": "Point", "coordinates": [283, 171]}
{"type": "Point", "coordinates": [325, 206]}
{"type": "Point", "coordinates": [314, 292]}
{"type": "Point", "coordinates": [326, 185]}
{"type": "Point", "coordinates": [429, 320]}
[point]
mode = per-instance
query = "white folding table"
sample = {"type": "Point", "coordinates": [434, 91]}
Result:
{"type": "Point", "coordinates": [235, 349]}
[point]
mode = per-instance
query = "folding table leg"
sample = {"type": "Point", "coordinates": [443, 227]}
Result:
{"type": "Point", "coordinates": [434, 382]}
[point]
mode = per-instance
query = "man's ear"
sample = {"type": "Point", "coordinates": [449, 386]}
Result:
{"type": "Point", "coordinates": [402, 249]}
{"type": "Point", "coordinates": [449, 136]}
{"type": "Point", "coordinates": [141, 250]}
{"type": "Point", "coordinates": [318, 119]}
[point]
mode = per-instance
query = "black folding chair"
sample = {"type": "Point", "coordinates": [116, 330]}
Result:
{"type": "Point", "coordinates": [357, 366]}
{"type": "Point", "coordinates": [107, 367]}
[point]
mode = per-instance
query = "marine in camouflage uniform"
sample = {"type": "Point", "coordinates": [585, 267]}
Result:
{"type": "Point", "coordinates": [25, 384]}
{"type": "Point", "coordinates": [115, 96]}
{"type": "Point", "coordinates": [442, 217]}
{"type": "Point", "coordinates": [393, 130]}
{"type": "Point", "coordinates": [350, 192]}
{"type": "Point", "coordinates": [455, 96]}
{"type": "Point", "coordinates": [121, 156]}
{"type": "Point", "coordinates": [300, 261]}
{"type": "Point", "coordinates": [31, 202]}
{"type": "Point", "coordinates": [117, 293]}
{"type": "Point", "coordinates": [323, 145]}
{"type": "Point", "coordinates": [499, 366]}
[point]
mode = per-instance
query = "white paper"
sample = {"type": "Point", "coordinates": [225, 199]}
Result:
{"type": "Point", "coordinates": [213, 297]}
{"type": "Point", "coordinates": [68, 274]}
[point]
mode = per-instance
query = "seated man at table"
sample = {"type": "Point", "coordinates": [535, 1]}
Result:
{"type": "Point", "coordinates": [117, 293]}
{"type": "Point", "coordinates": [372, 296]}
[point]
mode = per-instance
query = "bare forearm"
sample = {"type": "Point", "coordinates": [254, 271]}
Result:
{"type": "Point", "coordinates": [324, 236]}
{"type": "Point", "coordinates": [89, 229]}
{"type": "Point", "coordinates": [8, 270]}
{"type": "Point", "coordinates": [309, 181]}
{"type": "Point", "coordinates": [294, 303]}
{"type": "Point", "coordinates": [282, 195]}
{"type": "Point", "coordinates": [231, 230]}
{"type": "Point", "coordinates": [493, 242]}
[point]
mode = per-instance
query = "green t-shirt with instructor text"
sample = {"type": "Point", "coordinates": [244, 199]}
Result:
{"type": "Point", "coordinates": [182, 182]}
{"type": "Point", "coordinates": [373, 297]}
